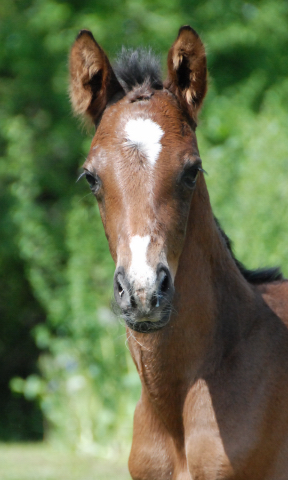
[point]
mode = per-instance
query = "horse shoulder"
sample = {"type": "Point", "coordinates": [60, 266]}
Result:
{"type": "Point", "coordinates": [236, 421]}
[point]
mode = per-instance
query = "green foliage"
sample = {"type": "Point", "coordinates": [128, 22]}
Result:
{"type": "Point", "coordinates": [54, 256]}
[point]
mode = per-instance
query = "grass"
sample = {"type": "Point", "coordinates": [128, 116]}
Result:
{"type": "Point", "coordinates": [42, 462]}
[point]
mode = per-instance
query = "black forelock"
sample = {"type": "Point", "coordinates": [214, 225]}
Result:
{"type": "Point", "coordinates": [136, 67]}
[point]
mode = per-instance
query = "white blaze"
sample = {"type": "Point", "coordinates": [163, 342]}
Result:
{"type": "Point", "coordinates": [145, 135]}
{"type": "Point", "coordinates": [140, 272]}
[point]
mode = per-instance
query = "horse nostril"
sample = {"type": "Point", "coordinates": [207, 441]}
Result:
{"type": "Point", "coordinates": [164, 286]}
{"type": "Point", "coordinates": [154, 300]}
{"type": "Point", "coordinates": [133, 302]}
{"type": "Point", "coordinates": [165, 289]}
{"type": "Point", "coordinates": [120, 289]}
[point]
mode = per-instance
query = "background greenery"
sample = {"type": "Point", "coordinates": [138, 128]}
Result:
{"type": "Point", "coordinates": [66, 373]}
{"type": "Point", "coordinates": [40, 461]}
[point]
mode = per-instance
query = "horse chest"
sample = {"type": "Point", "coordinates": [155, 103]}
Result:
{"type": "Point", "coordinates": [198, 453]}
{"type": "Point", "coordinates": [156, 454]}
{"type": "Point", "coordinates": [159, 459]}
{"type": "Point", "coordinates": [205, 460]}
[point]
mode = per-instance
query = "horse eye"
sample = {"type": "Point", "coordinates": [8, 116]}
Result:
{"type": "Point", "coordinates": [189, 177]}
{"type": "Point", "coordinates": [93, 182]}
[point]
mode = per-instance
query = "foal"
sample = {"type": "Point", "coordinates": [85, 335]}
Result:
{"type": "Point", "coordinates": [208, 337]}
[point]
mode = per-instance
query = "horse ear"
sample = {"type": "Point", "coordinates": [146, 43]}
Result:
{"type": "Point", "coordinates": [187, 70]}
{"type": "Point", "coordinates": [92, 80]}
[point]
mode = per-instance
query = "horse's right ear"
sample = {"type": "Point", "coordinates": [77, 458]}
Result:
{"type": "Point", "coordinates": [92, 80]}
{"type": "Point", "coordinates": [187, 70]}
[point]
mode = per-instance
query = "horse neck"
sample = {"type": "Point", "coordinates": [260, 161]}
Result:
{"type": "Point", "coordinates": [213, 309]}
{"type": "Point", "coordinates": [215, 305]}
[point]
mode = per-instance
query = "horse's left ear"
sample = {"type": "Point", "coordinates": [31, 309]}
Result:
{"type": "Point", "coordinates": [187, 70]}
{"type": "Point", "coordinates": [93, 83]}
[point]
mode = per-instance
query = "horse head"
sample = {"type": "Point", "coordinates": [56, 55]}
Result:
{"type": "Point", "coordinates": [144, 165]}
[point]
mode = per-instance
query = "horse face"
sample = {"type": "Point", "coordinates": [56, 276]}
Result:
{"type": "Point", "coordinates": [142, 167]}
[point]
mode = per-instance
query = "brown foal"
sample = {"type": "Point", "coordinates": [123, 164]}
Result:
{"type": "Point", "coordinates": [208, 337]}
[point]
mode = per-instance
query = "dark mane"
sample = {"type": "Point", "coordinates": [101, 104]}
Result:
{"type": "Point", "coordinates": [258, 276]}
{"type": "Point", "coordinates": [136, 67]}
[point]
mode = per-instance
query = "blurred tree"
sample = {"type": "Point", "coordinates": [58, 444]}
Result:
{"type": "Point", "coordinates": [55, 263]}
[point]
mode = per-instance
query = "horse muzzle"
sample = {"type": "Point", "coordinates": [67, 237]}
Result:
{"type": "Point", "coordinates": [145, 306]}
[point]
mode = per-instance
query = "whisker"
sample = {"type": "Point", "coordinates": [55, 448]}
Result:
{"type": "Point", "coordinates": [82, 198]}
{"type": "Point", "coordinates": [144, 348]}
{"type": "Point", "coordinates": [80, 176]}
